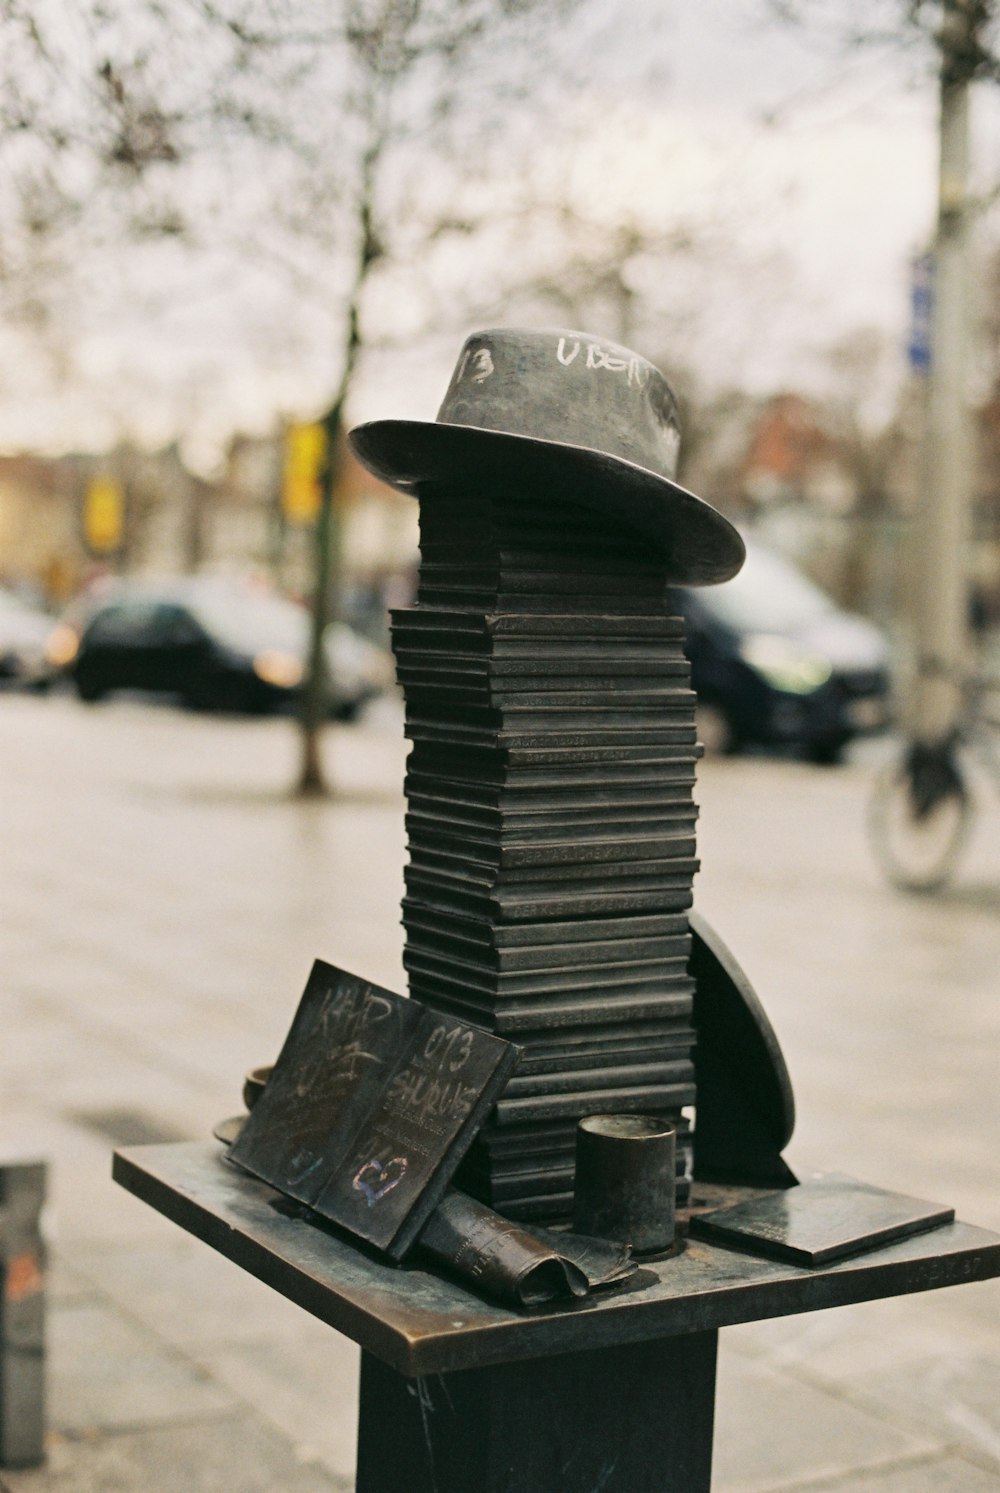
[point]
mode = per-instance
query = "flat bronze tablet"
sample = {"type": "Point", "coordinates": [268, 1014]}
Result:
{"type": "Point", "coordinates": [827, 1218]}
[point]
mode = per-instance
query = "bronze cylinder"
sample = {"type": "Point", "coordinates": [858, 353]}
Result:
{"type": "Point", "coordinates": [625, 1180]}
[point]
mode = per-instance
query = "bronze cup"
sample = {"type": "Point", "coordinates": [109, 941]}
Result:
{"type": "Point", "coordinates": [625, 1180]}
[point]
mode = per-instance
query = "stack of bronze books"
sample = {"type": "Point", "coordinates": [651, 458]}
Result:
{"type": "Point", "coordinates": [551, 823]}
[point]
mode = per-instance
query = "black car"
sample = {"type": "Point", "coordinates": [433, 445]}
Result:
{"type": "Point", "coordinates": [216, 646]}
{"type": "Point", "coordinates": [775, 662]}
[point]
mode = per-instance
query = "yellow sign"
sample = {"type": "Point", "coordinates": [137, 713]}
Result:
{"type": "Point", "coordinates": [305, 459]}
{"type": "Point", "coordinates": [104, 514]}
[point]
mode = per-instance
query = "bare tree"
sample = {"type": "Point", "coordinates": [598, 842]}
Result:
{"type": "Point", "coordinates": [281, 141]}
{"type": "Point", "coordinates": [926, 27]}
{"type": "Point", "coordinates": [205, 152]}
{"type": "Point", "coordinates": [392, 48]}
{"type": "Point", "coordinates": [405, 68]}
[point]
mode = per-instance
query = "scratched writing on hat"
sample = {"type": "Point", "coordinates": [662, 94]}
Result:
{"type": "Point", "coordinates": [478, 365]}
{"type": "Point", "coordinates": [638, 373]}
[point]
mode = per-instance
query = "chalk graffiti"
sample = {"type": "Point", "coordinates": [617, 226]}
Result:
{"type": "Point", "coordinates": [636, 372]}
{"type": "Point", "coordinates": [479, 365]}
{"type": "Point", "coordinates": [452, 1047]}
{"type": "Point", "coordinates": [424, 1098]}
{"type": "Point", "coordinates": [376, 1178]}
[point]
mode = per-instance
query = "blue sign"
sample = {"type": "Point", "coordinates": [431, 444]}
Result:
{"type": "Point", "coordinates": [921, 307]}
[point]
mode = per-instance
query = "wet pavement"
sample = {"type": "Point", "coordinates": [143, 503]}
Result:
{"type": "Point", "coordinates": [162, 900]}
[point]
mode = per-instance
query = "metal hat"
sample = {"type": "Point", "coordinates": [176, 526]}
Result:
{"type": "Point", "coordinates": [570, 417]}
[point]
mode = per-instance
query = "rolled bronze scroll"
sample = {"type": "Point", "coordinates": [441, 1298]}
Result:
{"type": "Point", "coordinates": [520, 1266]}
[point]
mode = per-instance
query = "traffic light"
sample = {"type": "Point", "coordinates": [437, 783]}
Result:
{"type": "Point", "coordinates": [305, 460]}
{"type": "Point", "coordinates": [104, 514]}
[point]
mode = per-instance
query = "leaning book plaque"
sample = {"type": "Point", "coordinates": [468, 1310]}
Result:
{"type": "Point", "coordinates": [373, 1101]}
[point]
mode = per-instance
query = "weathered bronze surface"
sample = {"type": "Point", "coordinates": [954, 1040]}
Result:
{"type": "Point", "coordinates": [827, 1218]}
{"type": "Point", "coordinates": [253, 1083]}
{"type": "Point", "coordinates": [524, 1267]}
{"type": "Point", "coordinates": [418, 1323]}
{"type": "Point", "coordinates": [370, 1107]}
{"type": "Point", "coordinates": [624, 1182]}
{"type": "Point", "coordinates": [630, 1419]}
{"type": "Point", "coordinates": [746, 1111]}
{"type": "Point", "coordinates": [568, 416]}
{"type": "Point", "coordinates": [520, 1266]}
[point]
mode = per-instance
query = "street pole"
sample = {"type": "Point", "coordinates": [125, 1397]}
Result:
{"type": "Point", "coordinates": [942, 530]}
{"type": "Point", "coordinates": [317, 687]}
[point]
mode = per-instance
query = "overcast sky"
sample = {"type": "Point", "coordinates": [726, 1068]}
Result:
{"type": "Point", "coordinates": [827, 161]}
{"type": "Point", "coordinates": [851, 149]}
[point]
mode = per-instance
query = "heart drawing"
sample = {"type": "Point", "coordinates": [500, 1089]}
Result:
{"type": "Point", "coordinates": [376, 1178]}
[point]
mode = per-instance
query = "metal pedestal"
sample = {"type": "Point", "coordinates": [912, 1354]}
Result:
{"type": "Point", "coordinates": [633, 1419]}
{"type": "Point", "coordinates": [462, 1395]}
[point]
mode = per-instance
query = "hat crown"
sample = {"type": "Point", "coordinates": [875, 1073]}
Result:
{"type": "Point", "coordinates": [560, 417]}
{"type": "Point", "coordinates": [570, 388]}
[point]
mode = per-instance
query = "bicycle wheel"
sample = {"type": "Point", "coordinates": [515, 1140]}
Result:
{"type": "Point", "coordinates": [919, 817]}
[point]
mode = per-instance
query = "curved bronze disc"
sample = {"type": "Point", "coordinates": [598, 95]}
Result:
{"type": "Point", "coordinates": [745, 1110]}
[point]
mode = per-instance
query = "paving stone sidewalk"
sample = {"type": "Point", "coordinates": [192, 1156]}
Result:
{"type": "Point", "coordinates": [161, 900]}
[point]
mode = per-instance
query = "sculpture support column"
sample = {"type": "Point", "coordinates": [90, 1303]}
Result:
{"type": "Point", "coordinates": [625, 1419]}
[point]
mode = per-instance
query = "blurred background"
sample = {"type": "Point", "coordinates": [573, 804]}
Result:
{"type": "Point", "coordinates": [230, 230]}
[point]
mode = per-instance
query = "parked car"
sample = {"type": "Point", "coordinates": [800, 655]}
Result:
{"type": "Point", "coordinates": [216, 645]}
{"type": "Point", "coordinates": [24, 632]}
{"type": "Point", "coordinates": [776, 662]}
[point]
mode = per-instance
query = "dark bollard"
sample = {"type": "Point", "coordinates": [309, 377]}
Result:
{"type": "Point", "coordinates": [22, 1315]}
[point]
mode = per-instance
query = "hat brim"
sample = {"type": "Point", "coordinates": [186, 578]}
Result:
{"type": "Point", "coordinates": [700, 546]}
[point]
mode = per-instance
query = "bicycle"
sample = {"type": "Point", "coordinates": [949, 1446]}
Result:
{"type": "Point", "coordinates": [921, 808]}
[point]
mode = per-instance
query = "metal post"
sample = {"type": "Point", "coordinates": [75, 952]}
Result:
{"type": "Point", "coordinates": [942, 529]}
{"type": "Point", "coordinates": [22, 1315]}
{"type": "Point", "coordinates": [315, 701]}
{"type": "Point", "coordinates": [632, 1418]}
